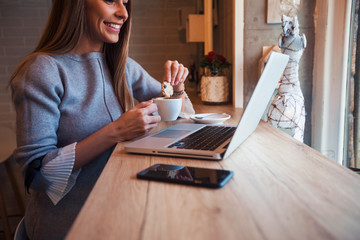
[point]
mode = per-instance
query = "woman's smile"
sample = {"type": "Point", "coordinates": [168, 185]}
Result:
{"type": "Point", "coordinates": [104, 20]}
{"type": "Point", "coordinates": [113, 26]}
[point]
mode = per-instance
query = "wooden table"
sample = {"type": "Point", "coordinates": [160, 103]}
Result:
{"type": "Point", "coordinates": [281, 189]}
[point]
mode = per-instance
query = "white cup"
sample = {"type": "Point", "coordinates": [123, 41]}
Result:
{"type": "Point", "coordinates": [168, 108]}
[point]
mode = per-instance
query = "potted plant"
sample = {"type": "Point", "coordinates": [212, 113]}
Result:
{"type": "Point", "coordinates": [214, 63]}
{"type": "Point", "coordinates": [214, 85]}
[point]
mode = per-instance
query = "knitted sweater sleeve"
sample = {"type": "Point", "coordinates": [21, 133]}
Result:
{"type": "Point", "coordinates": [37, 94]}
{"type": "Point", "coordinates": [141, 84]}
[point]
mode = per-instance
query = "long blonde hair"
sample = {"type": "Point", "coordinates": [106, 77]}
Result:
{"type": "Point", "coordinates": [64, 29]}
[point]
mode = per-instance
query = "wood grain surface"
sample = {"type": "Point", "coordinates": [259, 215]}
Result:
{"type": "Point", "coordinates": [281, 189]}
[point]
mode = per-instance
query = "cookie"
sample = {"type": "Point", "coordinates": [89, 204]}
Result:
{"type": "Point", "coordinates": [166, 89]}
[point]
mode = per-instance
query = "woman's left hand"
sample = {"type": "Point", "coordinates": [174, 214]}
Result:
{"type": "Point", "coordinates": [175, 73]}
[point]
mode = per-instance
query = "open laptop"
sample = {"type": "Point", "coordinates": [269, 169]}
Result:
{"type": "Point", "coordinates": [215, 142]}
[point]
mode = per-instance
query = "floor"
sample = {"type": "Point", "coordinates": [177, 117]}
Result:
{"type": "Point", "coordinates": [10, 202]}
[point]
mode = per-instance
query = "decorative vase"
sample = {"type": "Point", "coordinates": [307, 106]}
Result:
{"type": "Point", "coordinates": [214, 89]}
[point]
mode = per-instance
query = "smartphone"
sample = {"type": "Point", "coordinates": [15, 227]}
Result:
{"type": "Point", "coordinates": [203, 177]}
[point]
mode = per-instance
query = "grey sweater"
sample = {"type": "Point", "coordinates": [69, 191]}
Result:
{"type": "Point", "coordinates": [60, 100]}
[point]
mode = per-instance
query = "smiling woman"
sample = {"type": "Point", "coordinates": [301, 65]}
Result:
{"type": "Point", "coordinates": [74, 100]}
{"type": "Point", "coordinates": [103, 22]}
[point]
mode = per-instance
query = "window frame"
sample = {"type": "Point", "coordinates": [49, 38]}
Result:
{"type": "Point", "coordinates": [238, 51]}
{"type": "Point", "coordinates": [331, 54]}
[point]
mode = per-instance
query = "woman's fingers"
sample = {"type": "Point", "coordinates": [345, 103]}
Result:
{"type": "Point", "coordinates": [184, 75]}
{"type": "Point", "coordinates": [179, 75]}
{"type": "Point", "coordinates": [167, 71]}
{"type": "Point", "coordinates": [143, 104]}
{"type": "Point", "coordinates": [137, 121]}
{"type": "Point", "coordinates": [175, 72]}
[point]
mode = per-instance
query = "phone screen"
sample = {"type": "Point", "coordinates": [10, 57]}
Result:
{"type": "Point", "coordinates": [206, 177]}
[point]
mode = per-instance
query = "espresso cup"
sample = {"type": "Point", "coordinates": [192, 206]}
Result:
{"type": "Point", "coordinates": [168, 108]}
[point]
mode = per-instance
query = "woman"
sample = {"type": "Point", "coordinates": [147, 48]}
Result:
{"type": "Point", "coordinates": [74, 99]}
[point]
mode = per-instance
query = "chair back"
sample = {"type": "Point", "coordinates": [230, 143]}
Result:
{"type": "Point", "coordinates": [20, 232]}
{"type": "Point", "coordinates": [7, 143]}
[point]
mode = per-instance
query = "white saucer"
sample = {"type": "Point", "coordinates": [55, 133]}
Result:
{"type": "Point", "coordinates": [210, 118]}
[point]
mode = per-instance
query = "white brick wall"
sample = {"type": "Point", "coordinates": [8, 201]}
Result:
{"type": "Point", "coordinates": [155, 38]}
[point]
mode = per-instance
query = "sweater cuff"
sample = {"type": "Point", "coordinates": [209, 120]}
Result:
{"type": "Point", "coordinates": [58, 172]}
{"type": "Point", "coordinates": [188, 108]}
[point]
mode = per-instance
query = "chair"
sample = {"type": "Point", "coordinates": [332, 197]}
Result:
{"type": "Point", "coordinates": [20, 233]}
{"type": "Point", "coordinates": [7, 146]}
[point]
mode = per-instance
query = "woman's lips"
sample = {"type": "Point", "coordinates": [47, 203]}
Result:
{"type": "Point", "coordinates": [113, 26]}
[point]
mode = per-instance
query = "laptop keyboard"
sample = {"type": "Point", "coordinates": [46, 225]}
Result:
{"type": "Point", "coordinates": [206, 138]}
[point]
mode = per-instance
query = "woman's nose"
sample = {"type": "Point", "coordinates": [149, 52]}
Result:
{"type": "Point", "coordinates": [122, 12]}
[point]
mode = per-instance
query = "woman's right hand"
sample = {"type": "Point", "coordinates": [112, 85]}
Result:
{"type": "Point", "coordinates": [136, 122]}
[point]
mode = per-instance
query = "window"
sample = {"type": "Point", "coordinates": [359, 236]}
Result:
{"type": "Point", "coordinates": [352, 121]}
{"type": "Point", "coordinates": [332, 24]}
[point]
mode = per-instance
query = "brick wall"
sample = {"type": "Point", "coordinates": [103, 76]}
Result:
{"type": "Point", "coordinates": [21, 24]}
{"type": "Point", "coordinates": [155, 38]}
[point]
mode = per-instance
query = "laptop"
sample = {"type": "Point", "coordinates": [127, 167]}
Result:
{"type": "Point", "coordinates": [215, 142]}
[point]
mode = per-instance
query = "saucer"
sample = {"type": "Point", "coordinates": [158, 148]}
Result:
{"type": "Point", "coordinates": [210, 118]}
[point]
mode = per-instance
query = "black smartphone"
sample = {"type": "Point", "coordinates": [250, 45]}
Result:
{"type": "Point", "coordinates": [204, 177]}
